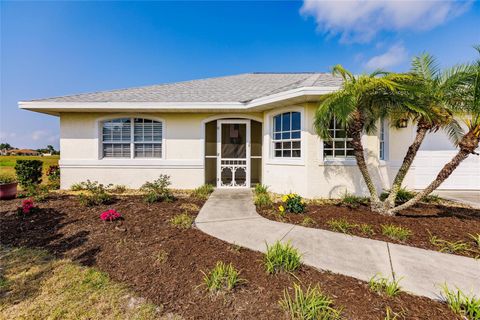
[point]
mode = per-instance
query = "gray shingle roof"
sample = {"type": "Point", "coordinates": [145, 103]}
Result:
{"type": "Point", "coordinates": [236, 88]}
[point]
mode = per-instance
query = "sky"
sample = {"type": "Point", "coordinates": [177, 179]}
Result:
{"type": "Point", "coordinates": [58, 48]}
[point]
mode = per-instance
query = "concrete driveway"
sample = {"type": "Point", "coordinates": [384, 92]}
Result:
{"type": "Point", "coordinates": [470, 197]}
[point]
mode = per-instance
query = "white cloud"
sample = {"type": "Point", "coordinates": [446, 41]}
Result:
{"type": "Point", "coordinates": [38, 135]}
{"type": "Point", "coordinates": [361, 20]}
{"type": "Point", "coordinates": [7, 135]}
{"type": "Point", "coordinates": [394, 56]}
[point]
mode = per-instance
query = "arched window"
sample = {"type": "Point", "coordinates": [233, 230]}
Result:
{"type": "Point", "coordinates": [132, 138]}
{"type": "Point", "coordinates": [287, 135]}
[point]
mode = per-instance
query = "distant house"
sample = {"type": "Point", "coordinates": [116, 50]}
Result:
{"type": "Point", "coordinates": [23, 152]}
{"type": "Point", "coordinates": [234, 132]}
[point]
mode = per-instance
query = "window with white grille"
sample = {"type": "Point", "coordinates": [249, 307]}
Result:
{"type": "Point", "coordinates": [119, 142]}
{"type": "Point", "coordinates": [287, 135]}
{"type": "Point", "coordinates": [339, 146]}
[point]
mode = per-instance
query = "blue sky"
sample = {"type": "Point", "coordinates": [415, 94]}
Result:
{"type": "Point", "coordinates": [57, 48]}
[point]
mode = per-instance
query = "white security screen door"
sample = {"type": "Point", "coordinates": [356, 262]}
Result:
{"type": "Point", "coordinates": [233, 158]}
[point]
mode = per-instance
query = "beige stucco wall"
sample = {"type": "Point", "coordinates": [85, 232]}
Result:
{"type": "Point", "coordinates": [183, 160]}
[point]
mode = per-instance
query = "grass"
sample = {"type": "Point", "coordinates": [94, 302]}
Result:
{"type": "Point", "coordinates": [203, 192]}
{"type": "Point", "coordinates": [448, 246]}
{"type": "Point", "coordinates": [260, 188]}
{"type": "Point", "coordinates": [462, 304]}
{"type": "Point", "coordinates": [7, 164]}
{"type": "Point", "coordinates": [281, 257]}
{"type": "Point", "coordinates": [341, 225]}
{"type": "Point", "coordinates": [381, 285]}
{"type": "Point", "coordinates": [366, 229]}
{"type": "Point", "coordinates": [310, 304]}
{"type": "Point", "coordinates": [223, 277]}
{"type": "Point", "coordinates": [37, 286]}
{"type": "Point", "coordinates": [353, 201]}
{"type": "Point", "coordinates": [182, 221]}
{"type": "Point", "coordinates": [404, 195]}
{"type": "Point", "coordinates": [263, 200]}
{"type": "Point", "coordinates": [476, 239]}
{"type": "Point", "coordinates": [395, 232]}
{"type": "Point", "coordinates": [308, 222]}
{"type": "Point", "coordinates": [161, 256]}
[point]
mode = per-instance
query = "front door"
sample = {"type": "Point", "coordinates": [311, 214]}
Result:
{"type": "Point", "coordinates": [233, 159]}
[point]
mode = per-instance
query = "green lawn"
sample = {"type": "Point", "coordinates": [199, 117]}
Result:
{"type": "Point", "coordinates": [7, 163]}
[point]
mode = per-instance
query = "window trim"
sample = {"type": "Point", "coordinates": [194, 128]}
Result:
{"type": "Point", "coordinates": [270, 158]}
{"type": "Point", "coordinates": [385, 127]}
{"type": "Point", "coordinates": [337, 159]}
{"type": "Point", "coordinates": [289, 140]}
{"type": "Point", "coordinates": [132, 158]}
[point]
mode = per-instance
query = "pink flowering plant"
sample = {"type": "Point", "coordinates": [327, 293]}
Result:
{"type": "Point", "coordinates": [110, 215]}
{"type": "Point", "coordinates": [27, 206]}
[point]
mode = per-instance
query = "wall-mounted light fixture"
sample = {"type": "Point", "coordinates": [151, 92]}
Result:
{"type": "Point", "coordinates": [402, 123]}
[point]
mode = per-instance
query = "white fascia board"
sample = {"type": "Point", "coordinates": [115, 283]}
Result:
{"type": "Point", "coordinates": [46, 106]}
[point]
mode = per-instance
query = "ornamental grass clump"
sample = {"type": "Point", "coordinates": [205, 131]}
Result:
{"type": "Point", "coordinates": [381, 285]}
{"type": "Point", "coordinates": [281, 257]}
{"type": "Point", "coordinates": [311, 304]}
{"type": "Point", "coordinates": [292, 203]}
{"type": "Point", "coordinates": [110, 215]}
{"type": "Point", "coordinates": [466, 306]}
{"type": "Point", "coordinates": [395, 232]}
{"type": "Point", "coordinates": [223, 277]}
{"type": "Point", "coordinates": [203, 192]}
{"type": "Point", "coordinates": [182, 221]}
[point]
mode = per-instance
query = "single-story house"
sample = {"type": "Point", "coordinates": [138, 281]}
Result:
{"type": "Point", "coordinates": [233, 132]}
{"type": "Point", "coordinates": [23, 152]}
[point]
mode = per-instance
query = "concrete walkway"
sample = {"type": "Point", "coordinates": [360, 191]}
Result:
{"type": "Point", "coordinates": [230, 215]}
{"type": "Point", "coordinates": [470, 197]}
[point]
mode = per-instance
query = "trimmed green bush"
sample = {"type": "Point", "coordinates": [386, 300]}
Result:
{"type": "Point", "coordinates": [28, 172]}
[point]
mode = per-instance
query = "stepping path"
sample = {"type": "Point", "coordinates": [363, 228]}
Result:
{"type": "Point", "coordinates": [230, 215]}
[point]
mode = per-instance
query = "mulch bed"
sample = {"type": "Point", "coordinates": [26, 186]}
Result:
{"type": "Point", "coordinates": [448, 222]}
{"type": "Point", "coordinates": [128, 252]}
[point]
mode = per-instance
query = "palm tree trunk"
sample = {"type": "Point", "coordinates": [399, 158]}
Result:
{"type": "Point", "coordinates": [422, 130]}
{"type": "Point", "coordinates": [355, 131]}
{"type": "Point", "coordinates": [467, 146]}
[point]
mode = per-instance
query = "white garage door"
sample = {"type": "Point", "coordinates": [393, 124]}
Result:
{"type": "Point", "coordinates": [429, 162]}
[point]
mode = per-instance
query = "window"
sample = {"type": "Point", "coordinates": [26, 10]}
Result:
{"type": "Point", "coordinates": [382, 141]}
{"type": "Point", "coordinates": [118, 141]}
{"type": "Point", "coordinates": [286, 135]}
{"type": "Point", "coordinates": [340, 145]}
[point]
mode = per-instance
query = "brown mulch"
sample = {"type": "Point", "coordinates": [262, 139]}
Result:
{"type": "Point", "coordinates": [128, 251]}
{"type": "Point", "coordinates": [448, 222]}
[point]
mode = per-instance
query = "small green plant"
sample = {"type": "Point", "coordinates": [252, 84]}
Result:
{"type": "Point", "coordinates": [281, 257]}
{"type": "Point", "coordinates": [395, 232]}
{"type": "Point", "coordinates": [366, 229]}
{"type": "Point", "coordinates": [161, 256]}
{"type": "Point", "coordinates": [447, 246]}
{"type": "Point", "coordinates": [392, 315]}
{"type": "Point", "coordinates": [223, 277]}
{"type": "Point", "coordinates": [260, 188]}
{"type": "Point", "coordinates": [462, 304]}
{"type": "Point", "coordinates": [78, 186]}
{"type": "Point", "coordinates": [292, 203]}
{"type": "Point", "coordinates": [158, 190]}
{"type": "Point", "coordinates": [182, 221]}
{"type": "Point", "coordinates": [7, 178]}
{"type": "Point", "coordinates": [263, 200]}
{"type": "Point", "coordinates": [341, 225]}
{"type": "Point", "coordinates": [353, 201]}
{"type": "Point", "coordinates": [476, 239]}
{"type": "Point", "coordinates": [28, 172]}
{"type": "Point", "coordinates": [96, 194]}
{"type": "Point", "coordinates": [381, 284]}
{"type": "Point", "coordinates": [310, 304]}
{"type": "Point", "coordinates": [36, 191]}
{"type": "Point", "coordinates": [118, 189]}
{"type": "Point", "coordinates": [190, 207]}
{"type": "Point", "coordinates": [404, 195]}
{"type": "Point", "coordinates": [203, 192]}
{"type": "Point", "coordinates": [308, 222]}
{"type": "Point", "coordinates": [53, 174]}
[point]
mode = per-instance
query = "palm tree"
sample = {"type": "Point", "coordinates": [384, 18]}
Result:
{"type": "Point", "coordinates": [432, 93]}
{"type": "Point", "coordinates": [467, 98]}
{"type": "Point", "coordinates": [357, 107]}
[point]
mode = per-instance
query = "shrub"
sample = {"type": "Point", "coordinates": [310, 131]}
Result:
{"type": "Point", "coordinates": [110, 215]}
{"type": "Point", "coordinates": [351, 200]}
{"type": "Point", "coordinates": [158, 190]}
{"type": "Point", "coordinates": [260, 188]}
{"type": "Point", "coordinates": [182, 221]}
{"type": "Point", "coordinates": [97, 194]}
{"type": "Point", "coordinates": [78, 186]}
{"type": "Point", "coordinates": [308, 305]}
{"type": "Point", "coordinates": [223, 277]}
{"type": "Point", "coordinates": [36, 191]}
{"type": "Point", "coordinates": [263, 200]}
{"type": "Point", "coordinates": [396, 233]}
{"type": "Point", "coordinates": [203, 192]}
{"type": "Point", "coordinates": [7, 178]}
{"type": "Point", "coordinates": [118, 188]}
{"type": "Point", "coordinates": [29, 172]}
{"type": "Point", "coordinates": [404, 195]}
{"type": "Point", "coordinates": [461, 304]}
{"type": "Point", "coordinates": [292, 203]}
{"type": "Point", "coordinates": [380, 285]}
{"type": "Point", "coordinates": [281, 257]}
{"type": "Point", "coordinates": [341, 225]}
{"type": "Point", "coordinates": [53, 174]}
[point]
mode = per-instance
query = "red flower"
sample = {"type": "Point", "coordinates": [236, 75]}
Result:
{"type": "Point", "coordinates": [27, 205]}
{"type": "Point", "coordinates": [110, 215]}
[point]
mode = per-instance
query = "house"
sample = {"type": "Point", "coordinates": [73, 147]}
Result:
{"type": "Point", "coordinates": [23, 152]}
{"type": "Point", "coordinates": [232, 132]}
